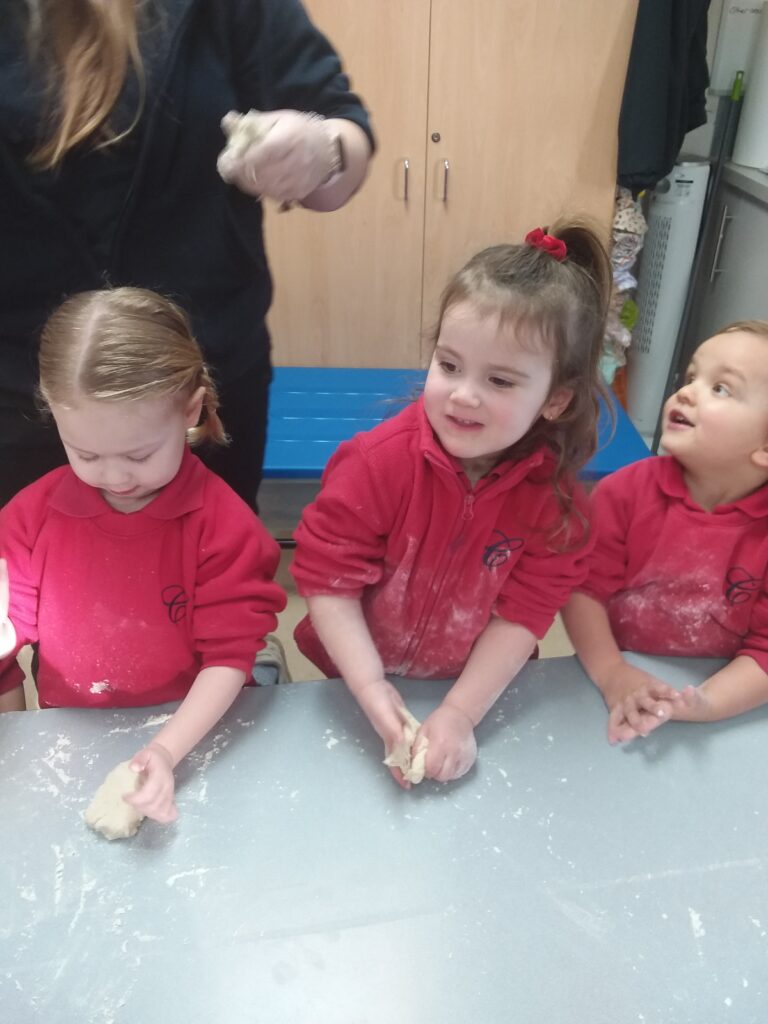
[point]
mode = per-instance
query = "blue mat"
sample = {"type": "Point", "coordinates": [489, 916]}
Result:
{"type": "Point", "coordinates": [312, 409]}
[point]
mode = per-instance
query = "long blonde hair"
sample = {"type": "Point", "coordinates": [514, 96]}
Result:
{"type": "Point", "coordinates": [86, 48]}
{"type": "Point", "coordinates": [125, 344]}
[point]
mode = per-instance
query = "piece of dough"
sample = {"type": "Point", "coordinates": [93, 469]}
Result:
{"type": "Point", "coordinates": [108, 813]}
{"type": "Point", "coordinates": [411, 763]}
{"type": "Point", "coordinates": [243, 130]}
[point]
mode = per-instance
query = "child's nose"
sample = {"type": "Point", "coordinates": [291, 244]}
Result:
{"type": "Point", "coordinates": [465, 394]}
{"type": "Point", "coordinates": [115, 477]}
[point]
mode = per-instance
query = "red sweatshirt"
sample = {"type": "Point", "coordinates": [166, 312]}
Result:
{"type": "Point", "coordinates": [675, 579]}
{"type": "Point", "coordinates": [398, 525]}
{"type": "Point", "coordinates": [129, 607]}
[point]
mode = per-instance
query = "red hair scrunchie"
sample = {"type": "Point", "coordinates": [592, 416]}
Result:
{"type": "Point", "coordinates": [548, 243]}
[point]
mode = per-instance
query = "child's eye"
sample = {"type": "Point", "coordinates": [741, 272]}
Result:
{"type": "Point", "coordinates": [721, 389]}
{"type": "Point", "coordinates": [87, 458]}
{"type": "Point", "coordinates": [501, 382]}
{"type": "Point", "coordinates": [134, 458]}
{"type": "Point", "coordinates": [447, 366]}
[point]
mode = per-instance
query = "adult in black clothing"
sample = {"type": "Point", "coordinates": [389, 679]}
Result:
{"type": "Point", "coordinates": [110, 129]}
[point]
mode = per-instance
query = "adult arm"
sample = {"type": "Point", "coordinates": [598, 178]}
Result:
{"type": "Point", "coordinates": [287, 68]}
{"type": "Point", "coordinates": [357, 154]}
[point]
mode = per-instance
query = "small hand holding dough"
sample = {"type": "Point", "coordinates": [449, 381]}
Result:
{"type": "Point", "coordinates": [402, 756]}
{"type": "Point", "coordinates": [108, 813]}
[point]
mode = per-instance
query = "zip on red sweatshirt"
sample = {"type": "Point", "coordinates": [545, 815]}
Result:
{"type": "Point", "coordinates": [398, 525]}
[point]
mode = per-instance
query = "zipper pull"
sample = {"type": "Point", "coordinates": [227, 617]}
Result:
{"type": "Point", "coordinates": [469, 502]}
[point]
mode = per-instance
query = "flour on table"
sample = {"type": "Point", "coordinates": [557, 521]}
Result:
{"type": "Point", "coordinates": [108, 813]}
{"type": "Point", "coordinates": [411, 763]}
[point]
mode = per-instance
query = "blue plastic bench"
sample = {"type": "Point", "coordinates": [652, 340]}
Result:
{"type": "Point", "coordinates": [312, 409]}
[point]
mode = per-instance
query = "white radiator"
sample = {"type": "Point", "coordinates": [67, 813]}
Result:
{"type": "Point", "coordinates": [673, 227]}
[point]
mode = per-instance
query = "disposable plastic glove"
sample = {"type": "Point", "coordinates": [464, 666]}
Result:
{"type": "Point", "coordinates": [155, 799]}
{"type": "Point", "coordinates": [282, 154]}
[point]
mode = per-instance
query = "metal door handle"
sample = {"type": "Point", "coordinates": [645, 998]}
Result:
{"type": "Point", "coordinates": [406, 169]}
{"type": "Point", "coordinates": [721, 235]}
{"type": "Point", "coordinates": [446, 169]}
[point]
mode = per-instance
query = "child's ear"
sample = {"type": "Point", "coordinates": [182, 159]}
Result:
{"type": "Point", "coordinates": [557, 403]}
{"type": "Point", "coordinates": [194, 407]}
{"type": "Point", "coordinates": [760, 457]}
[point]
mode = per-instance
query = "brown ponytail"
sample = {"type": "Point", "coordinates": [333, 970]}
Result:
{"type": "Point", "coordinates": [87, 47]}
{"type": "Point", "coordinates": [565, 304]}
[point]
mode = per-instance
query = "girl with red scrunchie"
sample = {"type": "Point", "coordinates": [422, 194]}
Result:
{"type": "Point", "coordinates": [444, 541]}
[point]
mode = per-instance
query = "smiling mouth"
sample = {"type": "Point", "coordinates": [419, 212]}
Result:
{"type": "Point", "coordinates": [464, 423]}
{"type": "Point", "coordinates": [677, 417]}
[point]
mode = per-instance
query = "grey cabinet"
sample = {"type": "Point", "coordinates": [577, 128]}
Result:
{"type": "Point", "coordinates": [734, 280]}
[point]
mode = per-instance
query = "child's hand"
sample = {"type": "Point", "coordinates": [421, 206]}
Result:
{"type": "Point", "coordinates": [383, 707]}
{"type": "Point", "coordinates": [637, 703]}
{"type": "Point", "coordinates": [155, 798]}
{"type": "Point", "coordinates": [693, 705]}
{"type": "Point", "coordinates": [7, 632]}
{"type": "Point", "coordinates": [452, 748]}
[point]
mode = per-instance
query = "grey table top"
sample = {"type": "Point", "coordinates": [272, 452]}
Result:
{"type": "Point", "coordinates": [563, 880]}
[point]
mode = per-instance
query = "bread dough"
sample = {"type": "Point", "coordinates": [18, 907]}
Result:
{"type": "Point", "coordinates": [244, 130]}
{"type": "Point", "coordinates": [411, 763]}
{"type": "Point", "coordinates": [108, 813]}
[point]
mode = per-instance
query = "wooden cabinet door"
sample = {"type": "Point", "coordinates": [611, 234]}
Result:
{"type": "Point", "coordinates": [348, 284]}
{"type": "Point", "coordinates": [524, 99]}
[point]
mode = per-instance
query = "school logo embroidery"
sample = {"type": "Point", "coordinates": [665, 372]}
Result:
{"type": "Point", "coordinates": [175, 599]}
{"type": "Point", "coordinates": [498, 553]}
{"type": "Point", "coordinates": [740, 584]}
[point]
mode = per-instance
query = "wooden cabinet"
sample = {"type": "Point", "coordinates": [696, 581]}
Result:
{"type": "Point", "coordinates": [492, 117]}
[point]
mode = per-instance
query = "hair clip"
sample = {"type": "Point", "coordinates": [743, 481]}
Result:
{"type": "Point", "coordinates": [547, 243]}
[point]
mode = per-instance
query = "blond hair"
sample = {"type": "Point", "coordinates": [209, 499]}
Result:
{"type": "Point", "coordinates": [86, 48]}
{"type": "Point", "coordinates": [122, 345]}
{"type": "Point", "coordinates": [750, 326]}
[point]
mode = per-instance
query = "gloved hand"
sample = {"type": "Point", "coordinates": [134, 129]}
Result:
{"type": "Point", "coordinates": [282, 154]}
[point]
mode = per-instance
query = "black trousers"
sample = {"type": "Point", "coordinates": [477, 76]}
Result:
{"type": "Point", "coordinates": [30, 447]}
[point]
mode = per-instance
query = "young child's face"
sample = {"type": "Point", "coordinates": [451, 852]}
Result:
{"type": "Point", "coordinates": [484, 388]}
{"type": "Point", "coordinates": [127, 450]}
{"type": "Point", "coordinates": [719, 417]}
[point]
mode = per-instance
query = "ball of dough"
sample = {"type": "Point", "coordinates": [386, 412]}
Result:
{"type": "Point", "coordinates": [108, 813]}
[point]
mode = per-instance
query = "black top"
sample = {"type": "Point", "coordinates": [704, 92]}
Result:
{"type": "Point", "coordinates": [665, 89]}
{"type": "Point", "coordinates": [152, 210]}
